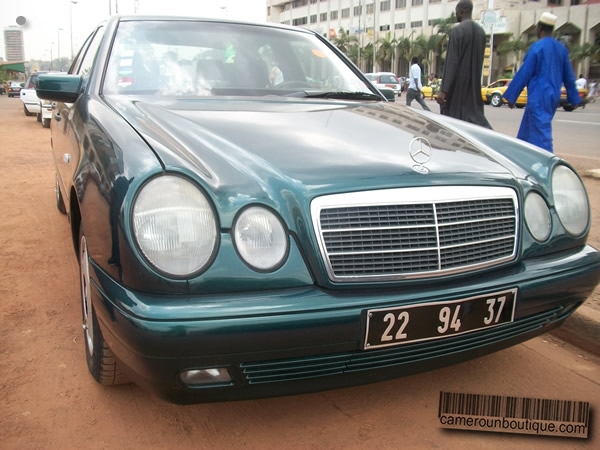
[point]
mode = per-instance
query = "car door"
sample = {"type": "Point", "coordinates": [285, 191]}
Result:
{"type": "Point", "coordinates": [66, 144]}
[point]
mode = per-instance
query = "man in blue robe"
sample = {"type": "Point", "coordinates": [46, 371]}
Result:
{"type": "Point", "coordinates": [545, 69]}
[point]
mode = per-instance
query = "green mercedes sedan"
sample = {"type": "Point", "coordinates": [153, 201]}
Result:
{"type": "Point", "coordinates": [253, 218]}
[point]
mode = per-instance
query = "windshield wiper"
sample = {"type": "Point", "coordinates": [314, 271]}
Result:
{"type": "Point", "coordinates": [340, 95]}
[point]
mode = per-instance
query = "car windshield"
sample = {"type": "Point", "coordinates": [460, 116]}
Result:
{"type": "Point", "coordinates": [197, 58]}
{"type": "Point", "coordinates": [388, 79]}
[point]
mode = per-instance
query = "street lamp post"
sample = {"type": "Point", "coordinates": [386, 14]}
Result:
{"type": "Point", "coordinates": [73, 2]}
{"type": "Point", "coordinates": [58, 30]}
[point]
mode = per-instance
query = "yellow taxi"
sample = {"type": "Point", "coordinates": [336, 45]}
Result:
{"type": "Point", "coordinates": [583, 95]}
{"type": "Point", "coordinates": [494, 94]}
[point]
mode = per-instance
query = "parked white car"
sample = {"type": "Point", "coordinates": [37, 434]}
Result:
{"type": "Point", "coordinates": [385, 80]}
{"type": "Point", "coordinates": [46, 107]}
{"type": "Point", "coordinates": [31, 102]}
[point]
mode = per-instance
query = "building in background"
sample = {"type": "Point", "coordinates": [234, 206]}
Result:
{"type": "Point", "coordinates": [14, 48]}
{"type": "Point", "coordinates": [378, 22]}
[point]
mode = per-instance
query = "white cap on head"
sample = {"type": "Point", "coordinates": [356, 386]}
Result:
{"type": "Point", "coordinates": [548, 19]}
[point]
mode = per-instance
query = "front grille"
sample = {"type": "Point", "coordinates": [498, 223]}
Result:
{"type": "Point", "coordinates": [415, 232]}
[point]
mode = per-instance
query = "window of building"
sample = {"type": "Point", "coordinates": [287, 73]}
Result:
{"type": "Point", "coordinates": [299, 3]}
{"type": "Point", "coordinates": [384, 5]}
{"type": "Point", "coordinates": [417, 2]}
{"type": "Point", "coordinates": [345, 13]}
{"type": "Point", "coordinates": [357, 11]}
{"type": "Point", "coordinates": [399, 26]}
{"type": "Point", "coordinates": [384, 28]}
{"type": "Point", "coordinates": [324, 17]}
{"type": "Point", "coordinates": [416, 24]}
{"type": "Point", "coordinates": [435, 1]}
{"type": "Point", "coordinates": [300, 21]}
{"type": "Point", "coordinates": [370, 8]}
{"type": "Point", "coordinates": [555, 2]}
{"type": "Point", "coordinates": [333, 15]}
{"type": "Point", "coordinates": [313, 18]}
{"type": "Point", "coordinates": [400, 4]}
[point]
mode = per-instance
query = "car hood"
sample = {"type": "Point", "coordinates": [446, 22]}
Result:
{"type": "Point", "coordinates": [314, 143]}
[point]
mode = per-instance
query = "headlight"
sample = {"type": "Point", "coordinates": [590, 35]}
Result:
{"type": "Point", "coordinates": [537, 216]}
{"type": "Point", "coordinates": [174, 226]}
{"type": "Point", "coordinates": [260, 238]}
{"type": "Point", "coordinates": [570, 200]}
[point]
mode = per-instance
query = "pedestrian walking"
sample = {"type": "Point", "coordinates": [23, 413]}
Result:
{"type": "Point", "coordinates": [545, 69]}
{"type": "Point", "coordinates": [460, 92]}
{"type": "Point", "coordinates": [592, 91]}
{"type": "Point", "coordinates": [415, 86]}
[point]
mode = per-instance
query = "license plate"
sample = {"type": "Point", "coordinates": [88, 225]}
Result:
{"type": "Point", "coordinates": [413, 323]}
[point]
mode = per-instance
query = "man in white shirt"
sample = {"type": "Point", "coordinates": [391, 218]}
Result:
{"type": "Point", "coordinates": [581, 83]}
{"type": "Point", "coordinates": [415, 86]}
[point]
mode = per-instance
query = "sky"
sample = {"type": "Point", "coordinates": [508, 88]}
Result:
{"type": "Point", "coordinates": [52, 24]}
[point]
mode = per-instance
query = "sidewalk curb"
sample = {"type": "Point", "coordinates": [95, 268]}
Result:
{"type": "Point", "coordinates": [582, 329]}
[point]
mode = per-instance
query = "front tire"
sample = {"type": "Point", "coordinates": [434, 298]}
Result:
{"type": "Point", "coordinates": [496, 100]}
{"type": "Point", "coordinates": [46, 123]}
{"type": "Point", "coordinates": [568, 108]}
{"type": "Point", "coordinates": [60, 201]}
{"type": "Point", "coordinates": [39, 117]}
{"type": "Point", "coordinates": [26, 111]}
{"type": "Point", "coordinates": [100, 360]}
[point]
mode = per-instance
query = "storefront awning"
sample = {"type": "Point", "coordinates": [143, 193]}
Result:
{"type": "Point", "coordinates": [16, 66]}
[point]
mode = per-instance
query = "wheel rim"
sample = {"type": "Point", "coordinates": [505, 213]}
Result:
{"type": "Point", "coordinates": [86, 297]}
{"type": "Point", "coordinates": [495, 100]}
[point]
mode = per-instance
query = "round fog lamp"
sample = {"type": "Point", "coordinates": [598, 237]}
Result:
{"type": "Point", "coordinates": [204, 377]}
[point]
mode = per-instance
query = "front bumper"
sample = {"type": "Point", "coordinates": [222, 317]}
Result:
{"type": "Point", "coordinates": [46, 111]}
{"type": "Point", "coordinates": [33, 108]}
{"type": "Point", "coordinates": [307, 339]}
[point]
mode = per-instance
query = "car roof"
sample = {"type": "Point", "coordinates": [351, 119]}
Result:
{"type": "Point", "coordinates": [381, 73]}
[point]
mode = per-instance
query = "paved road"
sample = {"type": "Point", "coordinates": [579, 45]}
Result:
{"type": "Point", "coordinates": [576, 133]}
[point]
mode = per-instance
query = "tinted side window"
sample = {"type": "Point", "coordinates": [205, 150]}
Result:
{"type": "Point", "coordinates": [90, 53]}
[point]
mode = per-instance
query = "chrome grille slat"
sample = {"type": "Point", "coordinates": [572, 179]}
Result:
{"type": "Point", "coordinates": [415, 232]}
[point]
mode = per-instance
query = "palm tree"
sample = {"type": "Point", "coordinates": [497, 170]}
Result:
{"type": "Point", "coordinates": [386, 48]}
{"type": "Point", "coordinates": [579, 53]}
{"type": "Point", "coordinates": [443, 30]}
{"type": "Point", "coordinates": [434, 49]}
{"type": "Point", "coordinates": [419, 47]}
{"type": "Point", "coordinates": [343, 41]}
{"type": "Point", "coordinates": [515, 47]}
{"type": "Point", "coordinates": [366, 53]}
{"type": "Point", "coordinates": [403, 48]}
{"type": "Point", "coordinates": [353, 54]}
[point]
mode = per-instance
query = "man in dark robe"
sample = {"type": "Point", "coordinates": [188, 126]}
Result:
{"type": "Point", "coordinates": [460, 93]}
